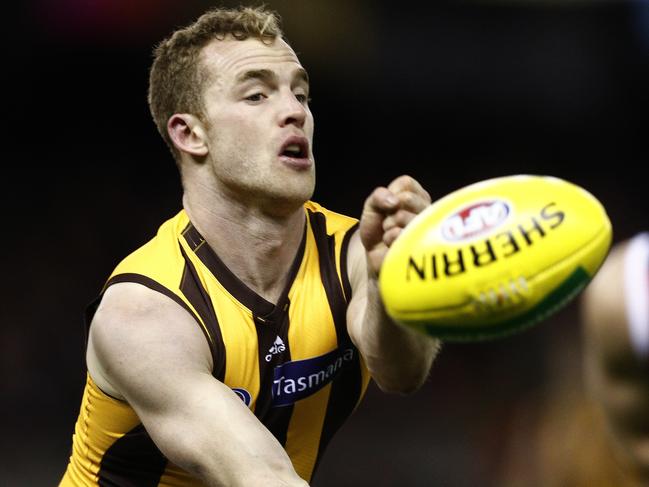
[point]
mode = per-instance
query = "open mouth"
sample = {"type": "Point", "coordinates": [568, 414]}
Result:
{"type": "Point", "coordinates": [295, 147]}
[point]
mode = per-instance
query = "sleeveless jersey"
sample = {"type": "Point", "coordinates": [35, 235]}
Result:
{"type": "Point", "coordinates": [292, 362]}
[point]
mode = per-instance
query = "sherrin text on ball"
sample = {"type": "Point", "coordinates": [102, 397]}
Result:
{"type": "Point", "coordinates": [495, 257]}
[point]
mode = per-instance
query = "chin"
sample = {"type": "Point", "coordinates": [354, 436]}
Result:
{"type": "Point", "coordinates": [290, 197]}
{"type": "Point", "coordinates": [297, 187]}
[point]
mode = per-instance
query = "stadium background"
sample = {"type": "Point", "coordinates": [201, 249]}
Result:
{"type": "Point", "coordinates": [452, 92]}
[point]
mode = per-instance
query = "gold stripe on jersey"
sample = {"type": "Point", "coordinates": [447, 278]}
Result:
{"type": "Point", "coordinates": [93, 434]}
{"type": "Point", "coordinates": [100, 419]}
{"type": "Point", "coordinates": [275, 356]}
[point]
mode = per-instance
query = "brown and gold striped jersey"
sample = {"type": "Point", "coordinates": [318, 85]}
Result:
{"type": "Point", "coordinates": [291, 362]}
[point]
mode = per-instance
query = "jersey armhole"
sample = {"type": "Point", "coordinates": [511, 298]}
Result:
{"type": "Point", "coordinates": [154, 286]}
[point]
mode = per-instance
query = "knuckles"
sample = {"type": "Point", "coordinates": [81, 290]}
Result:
{"type": "Point", "coordinates": [377, 197]}
{"type": "Point", "coordinates": [409, 193]}
{"type": "Point", "coordinates": [391, 235]}
{"type": "Point", "coordinates": [403, 182]}
{"type": "Point", "coordinates": [393, 218]}
{"type": "Point", "coordinates": [401, 218]}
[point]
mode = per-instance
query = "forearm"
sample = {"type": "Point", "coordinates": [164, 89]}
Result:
{"type": "Point", "coordinates": [251, 469]}
{"type": "Point", "coordinates": [236, 451]}
{"type": "Point", "coordinates": [398, 358]}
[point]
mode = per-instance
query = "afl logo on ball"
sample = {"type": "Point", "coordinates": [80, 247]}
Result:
{"type": "Point", "coordinates": [474, 220]}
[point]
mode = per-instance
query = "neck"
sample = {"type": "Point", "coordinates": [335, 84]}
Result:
{"type": "Point", "coordinates": [256, 245]}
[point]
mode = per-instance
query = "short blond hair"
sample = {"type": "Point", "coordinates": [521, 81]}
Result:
{"type": "Point", "coordinates": [176, 80]}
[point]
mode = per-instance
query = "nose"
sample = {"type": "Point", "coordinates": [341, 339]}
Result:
{"type": "Point", "coordinates": [293, 112]}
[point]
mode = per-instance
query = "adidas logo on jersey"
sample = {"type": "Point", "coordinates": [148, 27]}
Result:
{"type": "Point", "coordinates": [278, 347]}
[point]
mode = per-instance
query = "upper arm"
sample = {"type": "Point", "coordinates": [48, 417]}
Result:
{"type": "Point", "coordinates": [141, 343]}
{"type": "Point", "coordinates": [152, 353]}
{"type": "Point", "coordinates": [149, 351]}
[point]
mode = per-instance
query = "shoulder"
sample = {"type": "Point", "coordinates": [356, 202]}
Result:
{"type": "Point", "coordinates": [330, 227]}
{"type": "Point", "coordinates": [137, 333]}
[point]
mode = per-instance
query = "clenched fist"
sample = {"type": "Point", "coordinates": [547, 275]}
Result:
{"type": "Point", "coordinates": [386, 213]}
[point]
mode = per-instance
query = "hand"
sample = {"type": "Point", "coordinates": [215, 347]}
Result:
{"type": "Point", "coordinates": [386, 213]}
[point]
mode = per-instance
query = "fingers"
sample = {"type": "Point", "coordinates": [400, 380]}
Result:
{"type": "Point", "coordinates": [404, 193]}
{"type": "Point", "coordinates": [408, 185]}
{"type": "Point", "coordinates": [386, 212]}
{"type": "Point", "coordinates": [382, 200]}
{"type": "Point", "coordinates": [413, 199]}
{"type": "Point", "coordinates": [399, 219]}
{"type": "Point", "coordinates": [391, 235]}
{"type": "Point", "coordinates": [380, 203]}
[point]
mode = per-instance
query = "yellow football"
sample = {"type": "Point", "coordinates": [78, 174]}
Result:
{"type": "Point", "coordinates": [495, 257]}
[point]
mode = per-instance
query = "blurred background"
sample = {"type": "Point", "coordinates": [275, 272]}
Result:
{"type": "Point", "coordinates": [451, 92]}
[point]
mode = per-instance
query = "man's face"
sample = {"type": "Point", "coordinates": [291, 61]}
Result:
{"type": "Point", "coordinates": [260, 128]}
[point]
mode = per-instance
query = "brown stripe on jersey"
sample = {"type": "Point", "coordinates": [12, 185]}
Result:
{"type": "Point", "coordinates": [192, 288]}
{"type": "Point", "coordinates": [347, 288]}
{"type": "Point", "coordinates": [156, 286]}
{"type": "Point", "coordinates": [346, 388]}
{"type": "Point", "coordinates": [147, 282]}
{"type": "Point", "coordinates": [275, 419]}
{"type": "Point", "coordinates": [231, 282]}
{"type": "Point", "coordinates": [146, 463]}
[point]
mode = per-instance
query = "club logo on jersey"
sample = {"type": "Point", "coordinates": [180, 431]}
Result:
{"type": "Point", "coordinates": [278, 347]}
{"type": "Point", "coordinates": [243, 395]}
{"type": "Point", "coordinates": [301, 378]}
{"type": "Point", "coordinates": [474, 220]}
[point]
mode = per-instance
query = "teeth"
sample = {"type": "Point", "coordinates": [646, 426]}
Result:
{"type": "Point", "coordinates": [293, 148]}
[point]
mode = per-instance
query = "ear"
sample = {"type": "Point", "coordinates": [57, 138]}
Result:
{"type": "Point", "coordinates": [188, 134]}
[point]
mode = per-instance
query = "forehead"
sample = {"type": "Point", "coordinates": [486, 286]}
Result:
{"type": "Point", "coordinates": [228, 58]}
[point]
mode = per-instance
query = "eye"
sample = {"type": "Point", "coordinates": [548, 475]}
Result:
{"type": "Point", "coordinates": [302, 98]}
{"type": "Point", "coordinates": [256, 97]}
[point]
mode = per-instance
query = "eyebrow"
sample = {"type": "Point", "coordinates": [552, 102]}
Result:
{"type": "Point", "coordinates": [268, 76]}
{"type": "Point", "coordinates": [301, 74]}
